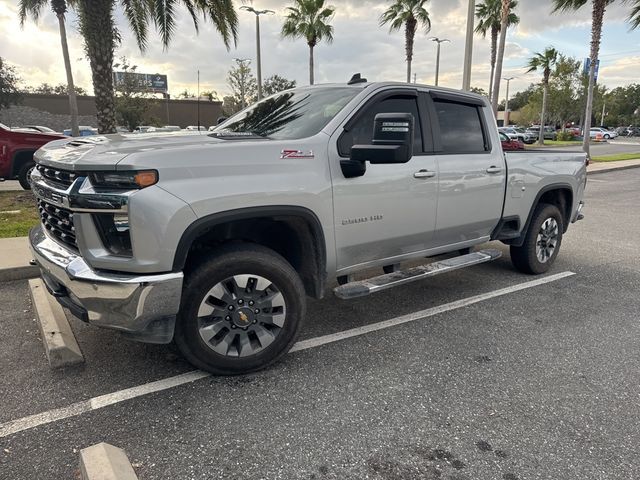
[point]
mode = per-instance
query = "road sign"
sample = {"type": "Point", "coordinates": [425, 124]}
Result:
{"type": "Point", "coordinates": [587, 65]}
{"type": "Point", "coordinates": [154, 83]}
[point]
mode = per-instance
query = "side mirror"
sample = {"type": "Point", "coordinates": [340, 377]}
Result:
{"type": "Point", "coordinates": [392, 143]}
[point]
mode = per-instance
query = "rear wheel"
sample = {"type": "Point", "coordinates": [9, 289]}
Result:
{"type": "Point", "coordinates": [542, 241]}
{"type": "Point", "coordinates": [241, 310]}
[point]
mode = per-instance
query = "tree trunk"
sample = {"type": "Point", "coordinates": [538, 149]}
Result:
{"type": "Point", "coordinates": [498, 72]}
{"type": "Point", "coordinates": [596, 35]}
{"type": "Point", "coordinates": [409, 36]}
{"type": "Point", "coordinates": [98, 31]}
{"type": "Point", "coordinates": [494, 47]}
{"type": "Point", "coordinates": [71, 89]}
{"type": "Point", "coordinates": [543, 114]}
{"type": "Point", "coordinates": [311, 65]}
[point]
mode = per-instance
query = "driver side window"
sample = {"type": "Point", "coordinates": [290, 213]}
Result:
{"type": "Point", "coordinates": [361, 132]}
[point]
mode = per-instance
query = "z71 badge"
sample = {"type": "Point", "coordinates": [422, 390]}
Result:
{"type": "Point", "coordinates": [296, 154]}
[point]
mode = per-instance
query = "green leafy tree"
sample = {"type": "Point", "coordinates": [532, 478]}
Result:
{"type": "Point", "coordinates": [545, 62]}
{"type": "Point", "coordinates": [60, 89]}
{"type": "Point", "coordinates": [9, 92]}
{"type": "Point", "coordinates": [131, 103]}
{"type": "Point", "coordinates": [488, 15]}
{"type": "Point", "coordinates": [243, 86]}
{"type": "Point", "coordinates": [211, 95]}
{"type": "Point", "coordinates": [597, 20]}
{"type": "Point", "coordinates": [186, 94]}
{"type": "Point", "coordinates": [411, 15]}
{"type": "Point", "coordinates": [98, 29]}
{"type": "Point", "coordinates": [276, 83]}
{"type": "Point", "coordinates": [33, 8]}
{"type": "Point", "coordinates": [309, 19]}
{"type": "Point", "coordinates": [505, 12]}
{"type": "Point", "coordinates": [518, 99]}
{"type": "Point", "coordinates": [480, 91]}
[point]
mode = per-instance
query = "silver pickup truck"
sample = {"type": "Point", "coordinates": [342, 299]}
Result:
{"type": "Point", "coordinates": [215, 239]}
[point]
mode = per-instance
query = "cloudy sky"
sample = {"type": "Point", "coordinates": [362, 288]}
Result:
{"type": "Point", "coordinates": [360, 46]}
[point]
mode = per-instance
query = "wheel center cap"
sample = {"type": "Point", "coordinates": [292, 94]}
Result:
{"type": "Point", "coordinates": [243, 317]}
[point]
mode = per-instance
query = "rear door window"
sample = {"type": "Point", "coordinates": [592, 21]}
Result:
{"type": "Point", "coordinates": [461, 129]}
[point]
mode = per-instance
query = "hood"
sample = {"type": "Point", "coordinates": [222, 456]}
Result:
{"type": "Point", "coordinates": [104, 152]}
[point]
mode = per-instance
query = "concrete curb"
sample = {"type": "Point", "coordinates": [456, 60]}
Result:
{"type": "Point", "coordinates": [19, 273]}
{"type": "Point", "coordinates": [59, 342]}
{"type": "Point", "coordinates": [612, 169]}
{"type": "Point", "coordinates": [105, 462]}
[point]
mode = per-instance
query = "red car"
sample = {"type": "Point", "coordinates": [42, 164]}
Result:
{"type": "Point", "coordinates": [510, 144]}
{"type": "Point", "coordinates": [16, 152]}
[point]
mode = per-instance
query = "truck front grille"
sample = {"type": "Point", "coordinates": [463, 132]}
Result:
{"type": "Point", "coordinates": [55, 175]}
{"type": "Point", "coordinates": [58, 222]}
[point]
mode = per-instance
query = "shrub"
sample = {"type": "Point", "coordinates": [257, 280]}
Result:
{"type": "Point", "coordinates": [566, 135]}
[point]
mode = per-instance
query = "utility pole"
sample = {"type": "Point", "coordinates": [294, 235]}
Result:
{"type": "Point", "coordinates": [438, 41]}
{"type": "Point", "coordinates": [468, 47]}
{"type": "Point", "coordinates": [604, 104]}
{"type": "Point", "coordinates": [198, 100]}
{"type": "Point", "coordinates": [258, 59]}
{"type": "Point", "coordinates": [506, 103]}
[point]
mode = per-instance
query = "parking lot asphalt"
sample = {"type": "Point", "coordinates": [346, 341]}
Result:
{"type": "Point", "coordinates": [537, 383]}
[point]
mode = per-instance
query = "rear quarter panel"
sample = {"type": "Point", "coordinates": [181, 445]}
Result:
{"type": "Point", "coordinates": [531, 172]}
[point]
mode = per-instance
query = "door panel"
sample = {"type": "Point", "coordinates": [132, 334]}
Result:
{"type": "Point", "coordinates": [390, 211]}
{"type": "Point", "coordinates": [471, 175]}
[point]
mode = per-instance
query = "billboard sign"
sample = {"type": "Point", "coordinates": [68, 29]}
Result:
{"type": "Point", "coordinates": [154, 83]}
{"type": "Point", "coordinates": [587, 65]}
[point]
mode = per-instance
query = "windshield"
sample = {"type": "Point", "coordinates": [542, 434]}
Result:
{"type": "Point", "coordinates": [288, 115]}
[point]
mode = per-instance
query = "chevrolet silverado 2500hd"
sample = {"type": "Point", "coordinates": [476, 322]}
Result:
{"type": "Point", "coordinates": [216, 239]}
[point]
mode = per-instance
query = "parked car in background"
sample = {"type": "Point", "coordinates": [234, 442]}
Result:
{"type": "Point", "coordinates": [37, 128]}
{"type": "Point", "coordinates": [514, 134]}
{"type": "Point", "coordinates": [606, 134]}
{"type": "Point", "coordinates": [510, 143]}
{"type": "Point", "coordinates": [526, 136]}
{"type": "Point", "coordinates": [549, 132]}
{"type": "Point", "coordinates": [166, 128]}
{"type": "Point", "coordinates": [85, 131]}
{"type": "Point", "coordinates": [201, 128]}
{"type": "Point", "coordinates": [16, 152]}
{"type": "Point", "coordinates": [142, 128]}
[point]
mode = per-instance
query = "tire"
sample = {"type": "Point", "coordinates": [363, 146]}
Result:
{"type": "Point", "coordinates": [607, 136]}
{"type": "Point", "coordinates": [245, 338]}
{"type": "Point", "coordinates": [547, 223]}
{"type": "Point", "coordinates": [23, 175]}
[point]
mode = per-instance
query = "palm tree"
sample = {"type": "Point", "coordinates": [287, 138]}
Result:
{"type": "Point", "coordinates": [100, 35]}
{"type": "Point", "coordinates": [309, 19]}
{"type": "Point", "coordinates": [411, 14]}
{"type": "Point", "coordinates": [33, 8]}
{"type": "Point", "coordinates": [597, 16]}
{"type": "Point", "coordinates": [488, 14]}
{"type": "Point", "coordinates": [543, 61]}
{"type": "Point", "coordinates": [505, 10]}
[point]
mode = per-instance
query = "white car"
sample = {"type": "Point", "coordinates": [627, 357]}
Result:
{"type": "Point", "coordinates": [606, 134]}
{"type": "Point", "coordinates": [202, 128]}
{"type": "Point", "coordinates": [514, 134]}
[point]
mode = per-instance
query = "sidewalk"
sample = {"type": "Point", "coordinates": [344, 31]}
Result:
{"type": "Point", "coordinates": [15, 255]}
{"type": "Point", "coordinates": [14, 260]}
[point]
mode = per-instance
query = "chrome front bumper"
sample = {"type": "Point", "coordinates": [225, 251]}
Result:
{"type": "Point", "coordinates": [143, 307]}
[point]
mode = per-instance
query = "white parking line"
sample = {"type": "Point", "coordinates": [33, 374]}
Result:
{"type": "Point", "coordinates": [75, 409]}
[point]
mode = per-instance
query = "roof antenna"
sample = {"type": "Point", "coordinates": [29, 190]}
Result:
{"type": "Point", "coordinates": [357, 78]}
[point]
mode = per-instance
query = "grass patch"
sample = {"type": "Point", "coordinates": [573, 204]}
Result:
{"type": "Point", "coordinates": [556, 143]}
{"type": "Point", "coordinates": [18, 213]}
{"type": "Point", "coordinates": [617, 158]}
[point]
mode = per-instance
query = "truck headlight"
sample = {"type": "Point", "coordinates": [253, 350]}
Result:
{"type": "Point", "coordinates": [114, 232]}
{"type": "Point", "coordinates": [128, 180]}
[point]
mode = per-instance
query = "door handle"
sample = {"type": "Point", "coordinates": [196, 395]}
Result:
{"type": "Point", "coordinates": [494, 169]}
{"type": "Point", "coordinates": [424, 174]}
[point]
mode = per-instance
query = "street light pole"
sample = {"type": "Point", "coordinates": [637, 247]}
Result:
{"type": "Point", "coordinates": [257, 13]}
{"type": "Point", "coordinates": [438, 41]}
{"type": "Point", "coordinates": [506, 102]}
{"type": "Point", "coordinates": [468, 47]}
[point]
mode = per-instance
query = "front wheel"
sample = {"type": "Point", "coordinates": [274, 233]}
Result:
{"type": "Point", "coordinates": [542, 241]}
{"type": "Point", "coordinates": [24, 175]}
{"type": "Point", "coordinates": [241, 310]}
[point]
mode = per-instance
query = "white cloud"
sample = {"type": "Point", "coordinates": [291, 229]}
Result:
{"type": "Point", "coordinates": [360, 46]}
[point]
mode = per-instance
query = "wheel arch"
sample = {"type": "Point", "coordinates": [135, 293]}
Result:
{"type": "Point", "coordinates": [292, 231]}
{"type": "Point", "coordinates": [558, 194]}
{"type": "Point", "coordinates": [19, 159]}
